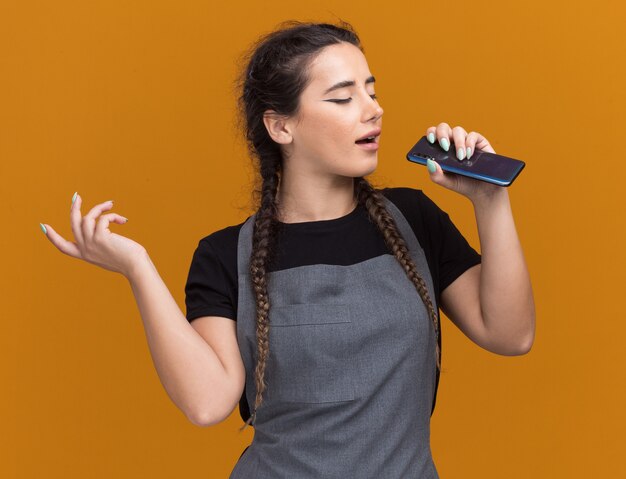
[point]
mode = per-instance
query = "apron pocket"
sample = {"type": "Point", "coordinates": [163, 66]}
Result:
{"type": "Point", "coordinates": [310, 357]}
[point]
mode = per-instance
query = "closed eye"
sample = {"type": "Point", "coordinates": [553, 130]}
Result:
{"type": "Point", "coordinates": [346, 100]}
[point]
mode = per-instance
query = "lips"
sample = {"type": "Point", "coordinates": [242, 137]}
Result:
{"type": "Point", "coordinates": [372, 135]}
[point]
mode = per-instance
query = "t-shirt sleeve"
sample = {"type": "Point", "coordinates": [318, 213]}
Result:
{"type": "Point", "coordinates": [207, 287]}
{"type": "Point", "coordinates": [453, 253]}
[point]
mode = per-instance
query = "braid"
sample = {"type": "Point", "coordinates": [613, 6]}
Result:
{"type": "Point", "coordinates": [275, 73]}
{"type": "Point", "coordinates": [373, 200]}
{"type": "Point", "coordinates": [263, 239]}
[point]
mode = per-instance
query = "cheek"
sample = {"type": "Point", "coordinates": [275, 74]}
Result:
{"type": "Point", "coordinates": [329, 139]}
{"type": "Point", "coordinates": [333, 125]}
{"type": "Point", "coordinates": [337, 133]}
{"type": "Point", "coordinates": [329, 134]}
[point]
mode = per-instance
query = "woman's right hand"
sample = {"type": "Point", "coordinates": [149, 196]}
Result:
{"type": "Point", "coordinates": [95, 243]}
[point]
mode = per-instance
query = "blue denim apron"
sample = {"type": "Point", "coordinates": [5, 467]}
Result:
{"type": "Point", "coordinates": [351, 373]}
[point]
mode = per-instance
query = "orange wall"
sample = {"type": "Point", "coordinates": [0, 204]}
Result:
{"type": "Point", "coordinates": [133, 101]}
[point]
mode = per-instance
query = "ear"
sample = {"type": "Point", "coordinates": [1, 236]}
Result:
{"type": "Point", "coordinates": [277, 127]}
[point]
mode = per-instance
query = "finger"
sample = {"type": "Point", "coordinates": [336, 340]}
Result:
{"type": "Point", "coordinates": [89, 220]}
{"type": "Point", "coordinates": [102, 227]}
{"type": "Point", "coordinates": [431, 134]}
{"type": "Point", "coordinates": [448, 179]}
{"type": "Point", "coordinates": [75, 220]}
{"type": "Point", "coordinates": [68, 247]}
{"type": "Point", "coordinates": [470, 143]}
{"type": "Point", "coordinates": [482, 143]}
{"type": "Point", "coordinates": [444, 132]}
{"type": "Point", "coordinates": [437, 175]}
{"type": "Point", "coordinates": [459, 134]}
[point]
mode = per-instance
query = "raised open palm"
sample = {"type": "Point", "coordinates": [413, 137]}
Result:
{"type": "Point", "coordinates": [94, 241]}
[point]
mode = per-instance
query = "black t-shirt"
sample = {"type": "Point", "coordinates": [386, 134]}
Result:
{"type": "Point", "coordinates": [212, 285]}
{"type": "Point", "coordinates": [211, 288]}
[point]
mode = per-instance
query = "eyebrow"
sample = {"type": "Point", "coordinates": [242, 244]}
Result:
{"type": "Point", "coordinates": [347, 83]}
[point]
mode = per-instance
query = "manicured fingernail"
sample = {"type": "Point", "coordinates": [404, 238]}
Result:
{"type": "Point", "coordinates": [43, 228]}
{"type": "Point", "coordinates": [460, 154]}
{"type": "Point", "coordinates": [430, 164]}
{"type": "Point", "coordinates": [74, 197]}
{"type": "Point", "coordinates": [469, 152]}
{"type": "Point", "coordinates": [445, 144]}
{"type": "Point", "coordinates": [431, 137]}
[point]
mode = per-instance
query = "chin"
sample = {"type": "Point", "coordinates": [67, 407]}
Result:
{"type": "Point", "coordinates": [359, 168]}
{"type": "Point", "coordinates": [355, 173]}
{"type": "Point", "coordinates": [368, 168]}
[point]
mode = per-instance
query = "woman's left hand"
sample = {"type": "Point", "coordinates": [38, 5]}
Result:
{"type": "Point", "coordinates": [462, 142]}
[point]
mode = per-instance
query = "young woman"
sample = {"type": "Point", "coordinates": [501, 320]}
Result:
{"type": "Point", "coordinates": [319, 314]}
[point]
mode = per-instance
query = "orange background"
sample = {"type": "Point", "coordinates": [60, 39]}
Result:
{"type": "Point", "coordinates": [133, 101]}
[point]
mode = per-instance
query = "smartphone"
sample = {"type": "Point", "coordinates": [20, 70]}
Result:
{"type": "Point", "coordinates": [482, 165]}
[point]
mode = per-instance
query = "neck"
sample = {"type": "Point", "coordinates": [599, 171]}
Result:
{"type": "Point", "coordinates": [300, 201]}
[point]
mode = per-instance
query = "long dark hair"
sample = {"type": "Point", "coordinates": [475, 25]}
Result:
{"type": "Point", "coordinates": [274, 76]}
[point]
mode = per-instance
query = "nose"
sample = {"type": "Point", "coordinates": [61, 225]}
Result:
{"type": "Point", "coordinates": [373, 111]}
{"type": "Point", "coordinates": [379, 111]}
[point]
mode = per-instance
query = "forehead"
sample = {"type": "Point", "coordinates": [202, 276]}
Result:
{"type": "Point", "coordinates": [335, 63]}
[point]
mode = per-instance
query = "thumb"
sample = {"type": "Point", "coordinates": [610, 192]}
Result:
{"type": "Point", "coordinates": [436, 173]}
